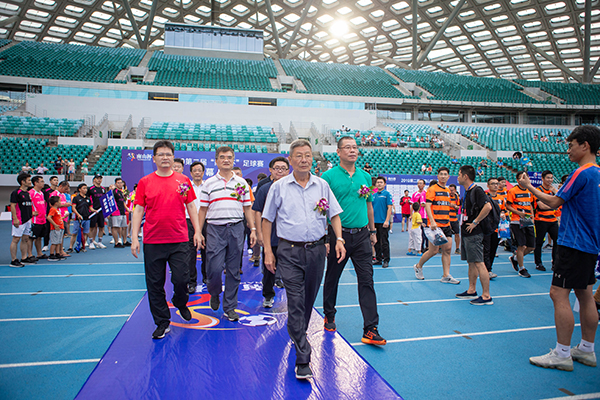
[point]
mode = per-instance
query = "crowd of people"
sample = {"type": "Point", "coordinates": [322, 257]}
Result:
{"type": "Point", "coordinates": [66, 167]}
{"type": "Point", "coordinates": [303, 222]}
{"type": "Point", "coordinates": [45, 214]}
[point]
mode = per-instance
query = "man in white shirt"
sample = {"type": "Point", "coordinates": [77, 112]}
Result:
{"type": "Point", "coordinates": [197, 172]}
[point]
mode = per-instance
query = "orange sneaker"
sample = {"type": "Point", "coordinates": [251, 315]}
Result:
{"type": "Point", "coordinates": [371, 336]}
{"type": "Point", "coordinates": [329, 325]}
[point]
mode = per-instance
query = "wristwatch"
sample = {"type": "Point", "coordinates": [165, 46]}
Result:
{"type": "Point", "coordinates": [341, 240]}
{"type": "Point", "coordinates": [373, 232]}
{"type": "Point", "coordinates": [475, 222]}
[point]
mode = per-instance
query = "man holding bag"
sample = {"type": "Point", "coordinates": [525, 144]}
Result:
{"type": "Point", "coordinates": [438, 216]}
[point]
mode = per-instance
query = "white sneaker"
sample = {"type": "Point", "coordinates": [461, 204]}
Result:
{"type": "Point", "coordinates": [493, 275]}
{"type": "Point", "coordinates": [583, 357]}
{"type": "Point", "coordinates": [552, 360]}
{"type": "Point", "coordinates": [112, 241]}
{"type": "Point", "coordinates": [449, 279]}
{"type": "Point", "coordinates": [418, 272]}
{"type": "Point", "coordinates": [92, 246]}
{"type": "Point", "coordinates": [45, 248]}
{"type": "Point", "coordinates": [100, 245]}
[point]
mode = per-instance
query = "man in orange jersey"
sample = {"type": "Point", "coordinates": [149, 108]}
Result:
{"type": "Point", "coordinates": [454, 208]}
{"type": "Point", "coordinates": [438, 215]}
{"type": "Point", "coordinates": [519, 201]}
{"type": "Point", "coordinates": [545, 221]}
{"type": "Point", "coordinates": [490, 242]}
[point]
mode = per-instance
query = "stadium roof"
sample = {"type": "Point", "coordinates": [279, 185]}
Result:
{"type": "Point", "coordinates": [512, 39]}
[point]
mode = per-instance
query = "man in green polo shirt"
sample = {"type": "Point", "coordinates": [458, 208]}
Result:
{"type": "Point", "coordinates": [350, 187]}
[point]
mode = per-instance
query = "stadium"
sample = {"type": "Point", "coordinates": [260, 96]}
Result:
{"type": "Point", "coordinates": [418, 84]}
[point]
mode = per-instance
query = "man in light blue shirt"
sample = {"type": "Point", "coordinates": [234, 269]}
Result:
{"type": "Point", "coordinates": [301, 204]}
{"type": "Point", "coordinates": [382, 211]}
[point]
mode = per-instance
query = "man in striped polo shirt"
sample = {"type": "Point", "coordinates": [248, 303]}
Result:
{"type": "Point", "coordinates": [438, 215]}
{"type": "Point", "coordinates": [519, 202]}
{"type": "Point", "coordinates": [545, 221]}
{"type": "Point", "coordinates": [224, 200]}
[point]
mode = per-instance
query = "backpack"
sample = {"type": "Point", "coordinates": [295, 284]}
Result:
{"type": "Point", "coordinates": [490, 223]}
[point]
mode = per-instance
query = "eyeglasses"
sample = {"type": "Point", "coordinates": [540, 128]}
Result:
{"type": "Point", "coordinates": [279, 169]}
{"type": "Point", "coordinates": [348, 148]}
{"type": "Point", "coordinates": [164, 155]}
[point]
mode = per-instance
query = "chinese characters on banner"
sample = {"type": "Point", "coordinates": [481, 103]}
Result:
{"type": "Point", "coordinates": [108, 203]}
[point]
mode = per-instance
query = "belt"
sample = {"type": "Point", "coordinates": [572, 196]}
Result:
{"type": "Point", "coordinates": [306, 245]}
{"type": "Point", "coordinates": [352, 231]}
{"type": "Point", "coordinates": [232, 223]}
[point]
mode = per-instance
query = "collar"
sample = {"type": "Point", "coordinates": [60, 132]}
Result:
{"type": "Point", "coordinates": [219, 176]}
{"type": "Point", "coordinates": [311, 180]}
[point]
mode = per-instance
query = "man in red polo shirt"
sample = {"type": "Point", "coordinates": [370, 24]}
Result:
{"type": "Point", "coordinates": [164, 196]}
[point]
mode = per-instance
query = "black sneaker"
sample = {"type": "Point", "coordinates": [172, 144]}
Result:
{"type": "Point", "coordinates": [467, 295]}
{"type": "Point", "coordinates": [515, 263]}
{"type": "Point", "coordinates": [53, 257]}
{"type": "Point", "coordinates": [161, 331]}
{"type": "Point", "coordinates": [16, 263]}
{"type": "Point", "coordinates": [329, 324]}
{"type": "Point", "coordinates": [69, 250]}
{"type": "Point", "coordinates": [523, 273]}
{"type": "Point", "coordinates": [303, 371]}
{"type": "Point", "coordinates": [33, 259]}
{"type": "Point", "coordinates": [27, 261]}
{"type": "Point", "coordinates": [185, 313]}
{"type": "Point", "coordinates": [127, 244]}
{"type": "Point", "coordinates": [42, 257]}
{"type": "Point", "coordinates": [256, 262]}
{"type": "Point", "coordinates": [377, 262]}
{"type": "Point", "coordinates": [279, 283]}
{"type": "Point", "coordinates": [385, 264]}
{"type": "Point", "coordinates": [540, 267]}
{"type": "Point", "coordinates": [231, 315]}
{"type": "Point", "coordinates": [371, 336]}
{"type": "Point", "coordinates": [191, 288]}
{"type": "Point", "coordinates": [119, 246]}
{"type": "Point", "coordinates": [214, 302]}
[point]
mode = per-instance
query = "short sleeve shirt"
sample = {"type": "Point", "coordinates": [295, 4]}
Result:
{"type": "Point", "coordinates": [580, 220]}
{"type": "Point", "coordinates": [24, 205]}
{"type": "Point", "coordinates": [38, 204]}
{"type": "Point", "coordinates": [439, 198]}
{"type": "Point", "coordinates": [96, 193]}
{"type": "Point", "coordinates": [120, 201]}
{"type": "Point", "coordinates": [381, 201]}
{"type": "Point", "coordinates": [420, 197]}
{"type": "Point", "coordinates": [345, 188]}
{"type": "Point", "coordinates": [293, 208]}
{"type": "Point", "coordinates": [472, 210]}
{"type": "Point", "coordinates": [259, 205]}
{"type": "Point", "coordinates": [165, 199]}
{"type": "Point", "coordinates": [82, 205]}
{"type": "Point", "coordinates": [416, 220]}
{"type": "Point", "coordinates": [54, 214]}
{"type": "Point", "coordinates": [405, 203]}
{"type": "Point", "coordinates": [519, 199]}
{"type": "Point", "coordinates": [218, 194]}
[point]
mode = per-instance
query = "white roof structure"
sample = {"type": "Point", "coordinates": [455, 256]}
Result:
{"type": "Point", "coordinates": [548, 40]}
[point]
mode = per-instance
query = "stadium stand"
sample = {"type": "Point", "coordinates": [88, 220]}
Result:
{"type": "Point", "coordinates": [8, 107]}
{"type": "Point", "coordinates": [10, 124]}
{"type": "Point", "coordinates": [68, 61]}
{"type": "Point", "coordinates": [569, 93]}
{"type": "Point", "coordinates": [4, 42]}
{"type": "Point", "coordinates": [392, 161]}
{"type": "Point", "coordinates": [404, 135]}
{"type": "Point", "coordinates": [445, 86]}
{"type": "Point", "coordinates": [212, 73]}
{"type": "Point", "coordinates": [512, 138]}
{"type": "Point", "coordinates": [15, 152]}
{"type": "Point", "coordinates": [109, 163]}
{"type": "Point", "coordinates": [211, 132]}
{"type": "Point", "coordinates": [559, 164]}
{"type": "Point", "coordinates": [342, 79]}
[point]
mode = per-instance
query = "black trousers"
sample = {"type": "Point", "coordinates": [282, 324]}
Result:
{"type": "Point", "coordinates": [541, 229]}
{"type": "Point", "coordinates": [302, 272]}
{"type": "Point", "coordinates": [156, 257]}
{"type": "Point", "coordinates": [358, 249]}
{"type": "Point", "coordinates": [194, 255]}
{"type": "Point", "coordinates": [424, 240]}
{"type": "Point", "coordinates": [268, 280]}
{"type": "Point", "coordinates": [490, 247]}
{"type": "Point", "coordinates": [382, 247]}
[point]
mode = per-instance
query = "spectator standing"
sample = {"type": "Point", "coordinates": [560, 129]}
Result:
{"type": "Point", "coordinates": [382, 212]}
{"type": "Point", "coordinates": [414, 235]}
{"type": "Point", "coordinates": [420, 196]}
{"type": "Point", "coordinates": [58, 165]}
{"type": "Point", "coordinates": [545, 221]}
{"type": "Point", "coordinates": [519, 201]}
{"type": "Point", "coordinates": [454, 209]}
{"type": "Point", "coordinates": [405, 204]}
{"type": "Point", "coordinates": [38, 228]}
{"type": "Point", "coordinates": [22, 212]}
{"type": "Point", "coordinates": [96, 191]}
{"type": "Point", "coordinates": [82, 208]}
{"type": "Point", "coordinates": [477, 207]}
{"type": "Point", "coordinates": [163, 196]}
{"type": "Point", "coordinates": [578, 247]}
{"type": "Point", "coordinates": [84, 167]}
{"type": "Point", "coordinates": [368, 168]}
{"type": "Point", "coordinates": [119, 217]}
{"type": "Point", "coordinates": [56, 229]}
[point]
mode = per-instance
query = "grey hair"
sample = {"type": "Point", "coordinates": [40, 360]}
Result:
{"type": "Point", "coordinates": [299, 143]}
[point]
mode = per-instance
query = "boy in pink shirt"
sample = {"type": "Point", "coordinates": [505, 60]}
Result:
{"type": "Point", "coordinates": [39, 226]}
